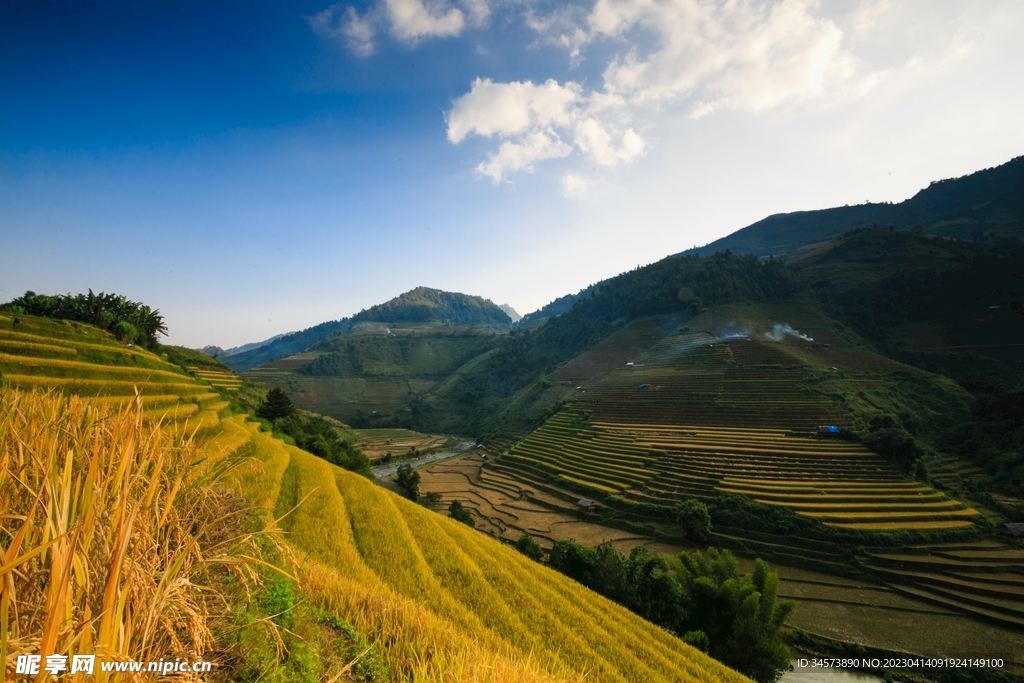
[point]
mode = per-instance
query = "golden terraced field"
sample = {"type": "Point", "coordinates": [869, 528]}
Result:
{"type": "Point", "coordinates": [440, 601]}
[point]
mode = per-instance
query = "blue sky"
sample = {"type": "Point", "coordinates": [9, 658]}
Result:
{"type": "Point", "coordinates": [254, 168]}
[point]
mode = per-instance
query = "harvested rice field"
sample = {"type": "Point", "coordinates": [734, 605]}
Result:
{"type": "Point", "coordinates": [872, 613]}
{"type": "Point", "coordinates": [378, 442]}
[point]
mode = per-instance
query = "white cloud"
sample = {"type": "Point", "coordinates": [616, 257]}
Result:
{"type": "Point", "coordinates": [531, 119]}
{"type": "Point", "coordinates": [522, 154]}
{"type": "Point", "coordinates": [358, 33]}
{"type": "Point", "coordinates": [345, 26]}
{"type": "Point", "coordinates": [574, 186]}
{"type": "Point", "coordinates": [869, 15]}
{"type": "Point", "coordinates": [409, 21]}
{"type": "Point", "coordinates": [478, 10]}
{"type": "Point", "coordinates": [734, 55]}
{"type": "Point", "coordinates": [491, 108]}
{"type": "Point", "coordinates": [701, 55]}
{"type": "Point", "coordinates": [563, 27]}
{"type": "Point", "coordinates": [412, 20]}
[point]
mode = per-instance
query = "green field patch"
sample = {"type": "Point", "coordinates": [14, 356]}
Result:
{"type": "Point", "coordinates": [570, 471]}
{"type": "Point", "coordinates": [871, 517]}
{"type": "Point", "coordinates": [590, 482]}
{"type": "Point", "coordinates": [866, 507]}
{"type": "Point", "coordinates": [800, 498]}
{"type": "Point", "coordinates": [828, 484]}
{"type": "Point", "coordinates": [633, 475]}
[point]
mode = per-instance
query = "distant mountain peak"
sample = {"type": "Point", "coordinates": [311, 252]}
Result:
{"type": "Point", "coordinates": [427, 305]}
{"type": "Point", "coordinates": [512, 313]}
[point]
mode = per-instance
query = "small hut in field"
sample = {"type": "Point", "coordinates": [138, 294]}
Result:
{"type": "Point", "coordinates": [1012, 531]}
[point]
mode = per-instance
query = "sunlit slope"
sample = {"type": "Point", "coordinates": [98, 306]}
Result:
{"type": "Point", "coordinates": [219, 378]}
{"type": "Point", "coordinates": [81, 359]}
{"type": "Point", "coordinates": [440, 601]}
{"type": "Point", "coordinates": [452, 603]}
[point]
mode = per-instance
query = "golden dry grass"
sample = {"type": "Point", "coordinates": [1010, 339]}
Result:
{"type": "Point", "coordinates": [107, 530]}
{"type": "Point", "coordinates": [104, 386]}
{"type": "Point", "coordinates": [453, 604]}
{"type": "Point", "coordinates": [73, 368]}
{"type": "Point", "coordinates": [29, 346]}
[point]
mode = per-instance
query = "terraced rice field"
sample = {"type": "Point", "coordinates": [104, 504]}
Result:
{"type": "Point", "coordinates": [984, 578]}
{"type": "Point", "coordinates": [841, 484]}
{"type": "Point", "coordinates": [864, 505]}
{"type": "Point", "coordinates": [868, 613]}
{"type": "Point", "coordinates": [80, 359]}
{"type": "Point", "coordinates": [219, 378]}
{"type": "Point", "coordinates": [493, 497]}
{"type": "Point", "coordinates": [379, 442]}
{"type": "Point", "coordinates": [692, 379]}
{"type": "Point", "coordinates": [573, 450]}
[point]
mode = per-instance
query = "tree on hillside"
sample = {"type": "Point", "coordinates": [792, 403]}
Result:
{"type": "Point", "coordinates": [408, 481]}
{"type": "Point", "coordinates": [740, 615]}
{"type": "Point", "coordinates": [694, 519]}
{"type": "Point", "coordinates": [529, 547]}
{"type": "Point", "coordinates": [736, 619]}
{"type": "Point", "coordinates": [431, 499]}
{"type": "Point", "coordinates": [461, 514]}
{"type": "Point", "coordinates": [275, 405]}
{"type": "Point", "coordinates": [314, 434]}
{"type": "Point", "coordinates": [128, 321]}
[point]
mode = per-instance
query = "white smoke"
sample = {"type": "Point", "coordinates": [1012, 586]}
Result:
{"type": "Point", "coordinates": [372, 327]}
{"type": "Point", "coordinates": [731, 331]}
{"type": "Point", "coordinates": [782, 330]}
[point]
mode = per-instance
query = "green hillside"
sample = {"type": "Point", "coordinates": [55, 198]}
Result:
{"type": "Point", "coordinates": [420, 306]}
{"type": "Point", "coordinates": [722, 407]}
{"type": "Point", "coordinates": [425, 305]}
{"type": "Point", "coordinates": [375, 375]}
{"type": "Point", "coordinates": [951, 307]}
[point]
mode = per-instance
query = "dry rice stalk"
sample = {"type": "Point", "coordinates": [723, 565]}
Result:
{"type": "Point", "coordinates": [107, 529]}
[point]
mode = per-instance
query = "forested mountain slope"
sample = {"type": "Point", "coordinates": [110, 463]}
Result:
{"type": "Point", "coordinates": [421, 306]}
{"type": "Point", "coordinates": [985, 206]}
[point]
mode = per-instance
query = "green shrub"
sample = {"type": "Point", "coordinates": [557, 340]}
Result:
{"type": "Point", "coordinates": [459, 513]}
{"type": "Point", "coordinates": [529, 547]}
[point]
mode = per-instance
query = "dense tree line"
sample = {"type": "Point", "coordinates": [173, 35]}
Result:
{"type": "Point", "coordinates": [954, 295]}
{"type": "Point", "coordinates": [703, 599]}
{"type": "Point", "coordinates": [128, 321]}
{"type": "Point", "coordinates": [312, 433]}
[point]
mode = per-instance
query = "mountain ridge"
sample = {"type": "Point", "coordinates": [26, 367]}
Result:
{"type": "Point", "coordinates": [417, 306]}
{"type": "Point", "coordinates": [985, 206]}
